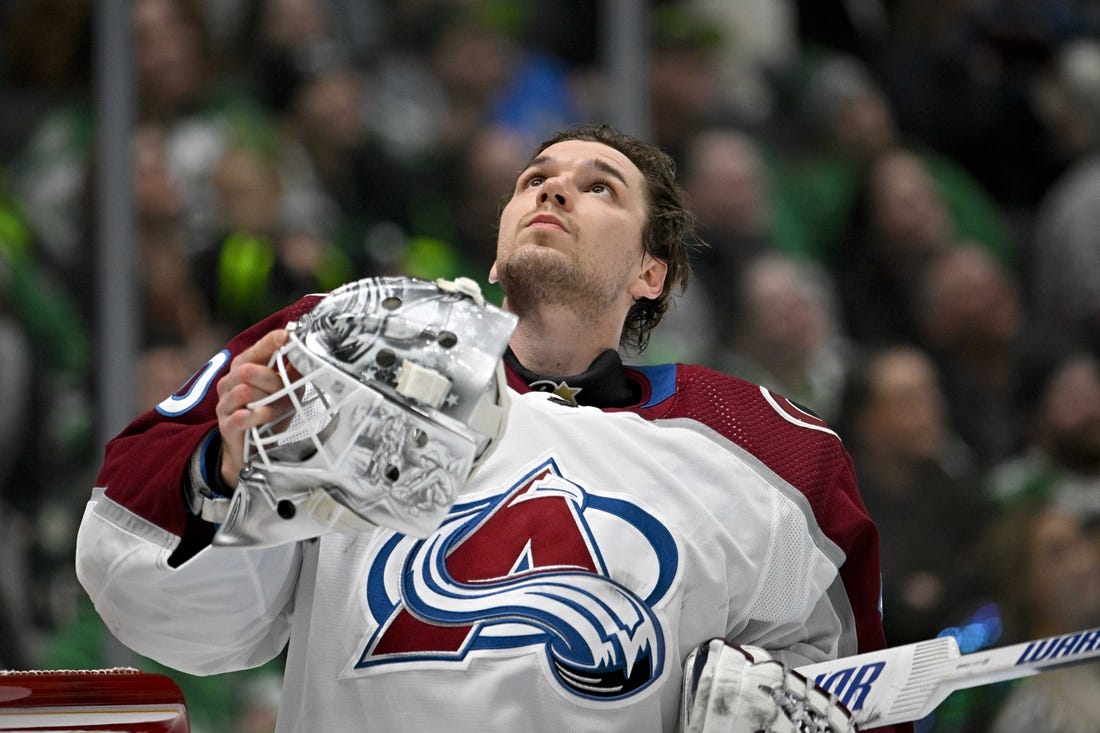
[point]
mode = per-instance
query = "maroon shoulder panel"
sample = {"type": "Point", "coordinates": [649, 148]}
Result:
{"type": "Point", "coordinates": [144, 465]}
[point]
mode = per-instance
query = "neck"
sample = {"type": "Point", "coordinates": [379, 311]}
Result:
{"type": "Point", "coordinates": [556, 342]}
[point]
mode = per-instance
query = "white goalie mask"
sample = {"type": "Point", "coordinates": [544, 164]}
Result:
{"type": "Point", "coordinates": [396, 393]}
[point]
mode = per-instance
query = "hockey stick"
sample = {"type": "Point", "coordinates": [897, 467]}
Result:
{"type": "Point", "coordinates": [905, 683]}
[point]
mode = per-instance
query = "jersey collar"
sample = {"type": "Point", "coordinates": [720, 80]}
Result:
{"type": "Point", "coordinates": [603, 384]}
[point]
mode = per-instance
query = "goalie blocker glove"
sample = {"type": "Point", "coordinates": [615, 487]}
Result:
{"type": "Point", "coordinates": [743, 689]}
{"type": "Point", "coordinates": [396, 392]}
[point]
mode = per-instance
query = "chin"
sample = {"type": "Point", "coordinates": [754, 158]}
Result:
{"type": "Point", "coordinates": [544, 277]}
{"type": "Point", "coordinates": [534, 260]}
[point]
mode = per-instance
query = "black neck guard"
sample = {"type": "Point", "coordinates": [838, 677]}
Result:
{"type": "Point", "coordinates": [603, 384]}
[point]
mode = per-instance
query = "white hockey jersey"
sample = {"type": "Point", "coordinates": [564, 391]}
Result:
{"type": "Point", "coordinates": [588, 555]}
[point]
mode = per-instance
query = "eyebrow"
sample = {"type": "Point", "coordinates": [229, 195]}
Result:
{"type": "Point", "coordinates": [597, 163]}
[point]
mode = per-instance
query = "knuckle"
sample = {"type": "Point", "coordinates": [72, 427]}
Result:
{"type": "Point", "coordinates": [247, 370]}
{"type": "Point", "coordinates": [225, 384]}
{"type": "Point", "coordinates": [241, 392]}
{"type": "Point", "coordinates": [239, 420]}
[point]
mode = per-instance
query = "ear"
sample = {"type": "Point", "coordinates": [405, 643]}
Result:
{"type": "Point", "coordinates": [493, 278]}
{"type": "Point", "coordinates": [650, 282]}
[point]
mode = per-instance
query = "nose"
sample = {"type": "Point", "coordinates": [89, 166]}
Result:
{"type": "Point", "coordinates": [552, 188]}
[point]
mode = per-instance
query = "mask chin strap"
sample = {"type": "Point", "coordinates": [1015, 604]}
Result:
{"type": "Point", "coordinates": [251, 523]}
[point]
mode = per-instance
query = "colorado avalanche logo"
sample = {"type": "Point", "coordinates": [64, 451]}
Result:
{"type": "Point", "coordinates": [527, 570]}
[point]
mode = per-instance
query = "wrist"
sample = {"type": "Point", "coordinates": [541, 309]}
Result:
{"type": "Point", "coordinates": [216, 470]}
{"type": "Point", "coordinates": [206, 493]}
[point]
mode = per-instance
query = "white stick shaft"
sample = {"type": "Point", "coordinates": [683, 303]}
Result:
{"type": "Point", "coordinates": [905, 683]}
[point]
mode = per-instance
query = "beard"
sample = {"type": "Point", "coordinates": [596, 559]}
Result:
{"type": "Point", "coordinates": [535, 277]}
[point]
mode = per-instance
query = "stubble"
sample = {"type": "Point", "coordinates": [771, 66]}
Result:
{"type": "Point", "coordinates": [535, 277]}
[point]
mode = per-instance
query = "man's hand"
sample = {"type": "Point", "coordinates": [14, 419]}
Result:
{"type": "Point", "coordinates": [249, 379]}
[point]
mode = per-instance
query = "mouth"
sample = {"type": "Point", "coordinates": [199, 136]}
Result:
{"type": "Point", "coordinates": [545, 221]}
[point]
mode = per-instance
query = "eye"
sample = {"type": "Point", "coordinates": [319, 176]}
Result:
{"type": "Point", "coordinates": [532, 181]}
{"type": "Point", "coordinates": [603, 188]}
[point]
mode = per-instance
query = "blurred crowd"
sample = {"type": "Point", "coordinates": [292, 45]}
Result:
{"type": "Point", "coordinates": [900, 200]}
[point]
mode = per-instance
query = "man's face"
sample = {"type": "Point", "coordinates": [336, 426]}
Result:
{"type": "Point", "coordinates": [1062, 576]}
{"type": "Point", "coordinates": [728, 189]}
{"type": "Point", "coordinates": [1069, 415]}
{"type": "Point", "coordinates": [905, 417]}
{"type": "Point", "coordinates": [571, 235]}
{"type": "Point", "coordinates": [910, 216]}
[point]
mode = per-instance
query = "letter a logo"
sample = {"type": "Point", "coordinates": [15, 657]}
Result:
{"type": "Point", "coordinates": [527, 570]}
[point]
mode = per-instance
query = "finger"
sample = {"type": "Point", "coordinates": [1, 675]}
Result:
{"type": "Point", "coordinates": [250, 366]}
{"type": "Point", "coordinates": [258, 382]}
{"type": "Point", "coordinates": [235, 419]}
{"type": "Point", "coordinates": [261, 351]}
{"type": "Point", "coordinates": [243, 398]}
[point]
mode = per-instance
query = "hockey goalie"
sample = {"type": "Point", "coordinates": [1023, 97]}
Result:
{"type": "Point", "coordinates": [438, 537]}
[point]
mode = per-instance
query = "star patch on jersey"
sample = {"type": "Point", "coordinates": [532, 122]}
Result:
{"type": "Point", "coordinates": [559, 389]}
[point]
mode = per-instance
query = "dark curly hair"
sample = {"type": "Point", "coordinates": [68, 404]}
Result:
{"type": "Point", "coordinates": [669, 233]}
